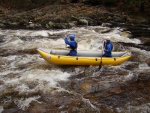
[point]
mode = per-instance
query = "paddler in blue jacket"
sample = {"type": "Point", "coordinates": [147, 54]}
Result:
{"type": "Point", "coordinates": [72, 45]}
{"type": "Point", "coordinates": [108, 47]}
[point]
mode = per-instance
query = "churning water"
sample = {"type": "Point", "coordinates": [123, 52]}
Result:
{"type": "Point", "coordinates": [28, 84]}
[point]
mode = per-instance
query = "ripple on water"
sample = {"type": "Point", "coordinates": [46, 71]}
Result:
{"type": "Point", "coordinates": [29, 84]}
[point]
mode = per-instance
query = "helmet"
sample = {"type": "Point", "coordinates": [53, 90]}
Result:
{"type": "Point", "coordinates": [71, 37]}
{"type": "Point", "coordinates": [108, 38]}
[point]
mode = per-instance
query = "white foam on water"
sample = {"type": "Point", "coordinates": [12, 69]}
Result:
{"type": "Point", "coordinates": [38, 78]}
{"type": "Point", "coordinates": [80, 33]}
{"type": "Point", "coordinates": [144, 66]}
{"type": "Point", "coordinates": [51, 76]}
{"type": "Point", "coordinates": [84, 44]}
{"type": "Point", "coordinates": [24, 103]}
{"type": "Point", "coordinates": [7, 72]}
{"type": "Point", "coordinates": [116, 36]}
{"type": "Point", "coordinates": [59, 43]}
{"type": "Point", "coordinates": [142, 55]}
{"type": "Point", "coordinates": [1, 109]}
{"type": "Point", "coordinates": [46, 79]}
{"type": "Point", "coordinates": [128, 77]}
{"type": "Point", "coordinates": [45, 43]}
{"type": "Point", "coordinates": [14, 61]}
{"type": "Point", "coordinates": [88, 39]}
{"type": "Point", "coordinates": [43, 33]}
{"type": "Point", "coordinates": [40, 33]}
{"type": "Point", "coordinates": [22, 88]}
{"type": "Point", "coordinates": [13, 43]}
{"type": "Point", "coordinates": [88, 103]}
{"type": "Point", "coordinates": [52, 32]}
{"type": "Point", "coordinates": [24, 59]}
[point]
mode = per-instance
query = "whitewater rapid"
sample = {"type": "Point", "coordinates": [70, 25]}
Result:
{"type": "Point", "coordinates": [25, 77]}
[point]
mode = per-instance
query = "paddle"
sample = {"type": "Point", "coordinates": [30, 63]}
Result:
{"type": "Point", "coordinates": [100, 64]}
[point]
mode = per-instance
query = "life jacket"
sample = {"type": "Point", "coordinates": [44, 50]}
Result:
{"type": "Point", "coordinates": [108, 48]}
{"type": "Point", "coordinates": [74, 47]}
{"type": "Point", "coordinates": [106, 45]}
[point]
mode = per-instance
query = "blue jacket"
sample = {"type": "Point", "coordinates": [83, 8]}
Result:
{"type": "Point", "coordinates": [72, 45]}
{"type": "Point", "coordinates": [108, 48]}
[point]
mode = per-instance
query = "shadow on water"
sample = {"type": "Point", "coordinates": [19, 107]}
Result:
{"type": "Point", "coordinates": [137, 30]}
{"type": "Point", "coordinates": [144, 46]}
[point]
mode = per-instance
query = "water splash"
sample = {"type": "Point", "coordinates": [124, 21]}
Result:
{"type": "Point", "coordinates": [24, 103]}
{"type": "Point", "coordinates": [1, 109]}
{"type": "Point", "coordinates": [29, 77]}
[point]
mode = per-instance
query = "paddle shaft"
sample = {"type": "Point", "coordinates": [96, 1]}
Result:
{"type": "Point", "coordinates": [100, 64]}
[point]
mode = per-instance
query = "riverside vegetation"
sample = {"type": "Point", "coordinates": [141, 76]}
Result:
{"type": "Point", "coordinates": [61, 14]}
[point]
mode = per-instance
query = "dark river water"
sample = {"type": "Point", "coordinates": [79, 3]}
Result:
{"type": "Point", "coordinates": [28, 84]}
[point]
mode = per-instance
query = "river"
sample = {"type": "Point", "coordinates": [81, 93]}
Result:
{"type": "Point", "coordinates": [28, 84]}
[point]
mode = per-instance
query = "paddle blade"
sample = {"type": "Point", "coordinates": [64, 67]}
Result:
{"type": "Point", "coordinates": [100, 65]}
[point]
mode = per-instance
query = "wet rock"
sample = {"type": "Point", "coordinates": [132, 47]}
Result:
{"type": "Point", "coordinates": [72, 24]}
{"type": "Point", "coordinates": [86, 87]}
{"type": "Point", "coordinates": [60, 26]}
{"type": "Point", "coordinates": [104, 87]}
{"type": "Point", "coordinates": [126, 34]}
{"type": "Point", "coordinates": [120, 19]}
{"type": "Point", "coordinates": [148, 61]}
{"type": "Point", "coordinates": [10, 24]}
{"type": "Point", "coordinates": [50, 24]}
{"type": "Point", "coordinates": [78, 76]}
{"type": "Point", "coordinates": [83, 22]}
{"type": "Point", "coordinates": [73, 18]}
{"type": "Point", "coordinates": [31, 25]}
{"type": "Point", "coordinates": [147, 43]}
{"type": "Point", "coordinates": [2, 25]}
{"type": "Point", "coordinates": [106, 30]}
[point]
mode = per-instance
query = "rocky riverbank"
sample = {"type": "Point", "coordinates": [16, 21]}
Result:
{"type": "Point", "coordinates": [66, 16]}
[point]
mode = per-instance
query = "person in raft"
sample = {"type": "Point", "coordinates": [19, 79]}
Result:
{"type": "Point", "coordinates": [108, 47]}
{"type": "Point", "coordinates": [72, 44]}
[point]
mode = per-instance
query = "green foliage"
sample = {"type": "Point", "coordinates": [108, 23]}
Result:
{"type": "Point", "coordinates": [126, 5]}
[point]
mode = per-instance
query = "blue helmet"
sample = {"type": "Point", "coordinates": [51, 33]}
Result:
{"type": "Point", "coordinates": [72, 37]}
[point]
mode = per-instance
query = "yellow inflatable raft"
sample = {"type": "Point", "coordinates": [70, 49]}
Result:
{"type": "Point", "coordinates": [60, 57]}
